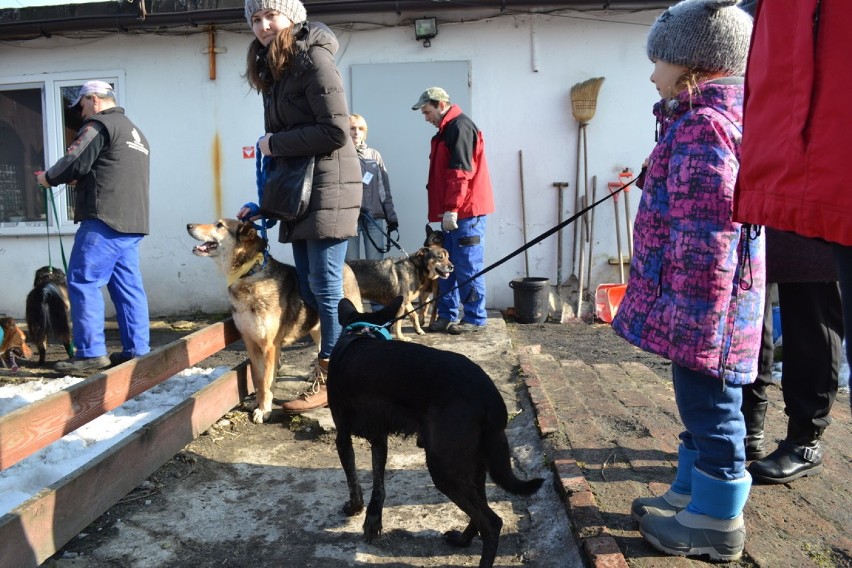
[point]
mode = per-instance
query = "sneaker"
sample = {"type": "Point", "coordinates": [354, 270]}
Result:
{"type": "Point", "coordinates": [440, 324]}
{"type": "Point", "coordinates": [692, 534]}
{"type": "Point", "coordinates": [463, 327]}
{"type": "Point", "coordinates": [666, 505]}
{"type": "Point", "coordinates": [315, 396]}
{"type": "Point", "coordinates": [119, 357]}
{"type": "Point", "coordinates": [82, 364]}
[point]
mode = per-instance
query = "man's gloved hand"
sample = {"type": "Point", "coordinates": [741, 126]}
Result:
{"type": "Point", "coordinates": [451, 221]}
{"type": "Point", "coordinates": [392, 226]}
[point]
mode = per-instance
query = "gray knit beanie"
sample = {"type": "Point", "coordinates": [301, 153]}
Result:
{"type": "Point", "coordinates": [703, 35]}
{"type": "Point", "coordinates": [292, 9]}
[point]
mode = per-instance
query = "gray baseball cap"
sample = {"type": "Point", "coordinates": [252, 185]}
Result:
{"type": "Point", "coordinates": [431, 94]}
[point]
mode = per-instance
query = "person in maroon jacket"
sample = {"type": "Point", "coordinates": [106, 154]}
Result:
{"type": "Point", "coordinates": [460, 197]}
{"type": "Point", "coordinates": [795, 130]}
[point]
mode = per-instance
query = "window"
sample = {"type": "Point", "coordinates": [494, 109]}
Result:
{"type": "Point", "coordinates": [36, 126]}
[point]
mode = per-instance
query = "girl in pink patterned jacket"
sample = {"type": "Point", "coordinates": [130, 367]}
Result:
{"type": "Point", "coordinates": [696, 289]}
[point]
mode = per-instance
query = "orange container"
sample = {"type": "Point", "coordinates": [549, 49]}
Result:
{"type": "Point", "coordinates": [607, 299]}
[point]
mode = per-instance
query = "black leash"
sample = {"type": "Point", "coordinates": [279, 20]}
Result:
{"type": "Point", "coordinates": [535, 241]}
{"type": "Point", "coordinates": [390, 240]}
{"type": "Point", "coordinates": [47, 204]}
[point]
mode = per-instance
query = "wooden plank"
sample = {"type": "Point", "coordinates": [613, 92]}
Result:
{"type": "Point", "coordinates": [36, 529]}
{"type": "Point", "coordinates": [32, 427]}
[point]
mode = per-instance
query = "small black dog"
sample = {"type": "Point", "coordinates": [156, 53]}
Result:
{"type": "Point", "coordinates": [377, 388]}
{"type": "Point", "coordinates": [48, 310]}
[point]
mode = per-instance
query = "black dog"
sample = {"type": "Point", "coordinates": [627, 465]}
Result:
{"type": "Point", "coordinates": [48, 310]}
{"type": "Point", "coordinates": [377, 388]}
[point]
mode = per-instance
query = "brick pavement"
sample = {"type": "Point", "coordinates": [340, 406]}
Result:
{"type": "Point", "coordinates": [611, 430]}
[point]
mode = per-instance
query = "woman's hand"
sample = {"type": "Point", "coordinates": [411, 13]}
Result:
{"type": "Point", "coordinates": [264, 145]}
{"type": "Point", "coordinates": [249, 212]}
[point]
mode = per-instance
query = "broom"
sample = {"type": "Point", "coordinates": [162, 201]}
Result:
{"type": "Point", "coordinates": [584, 99]}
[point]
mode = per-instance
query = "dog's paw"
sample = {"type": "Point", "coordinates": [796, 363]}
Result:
{"type": "Point", "coordinates": [457, 539]}
{"type": "Point", "coordinates": [351, 509]}
{"type": "Point", "coordinates": [258, 416]}
{"type": "Point", "coordinates": [420, 331]}
{"type": "Point", "coordinates": [403, 338]}
{"type": "Point", "coordinates": [372, 528]}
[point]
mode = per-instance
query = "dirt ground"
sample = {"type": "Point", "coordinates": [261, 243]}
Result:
{"type": "Point", "coordinates": [271, 495]}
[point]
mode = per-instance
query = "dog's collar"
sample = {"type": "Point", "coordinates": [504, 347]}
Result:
{"type": "Point", "coordinates": [364, 328]}
{"type": "Point", "coordinates": [251, 267]}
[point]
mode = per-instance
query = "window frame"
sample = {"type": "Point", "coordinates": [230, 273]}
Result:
{"type": "Point", "coordinates": [55, 145]}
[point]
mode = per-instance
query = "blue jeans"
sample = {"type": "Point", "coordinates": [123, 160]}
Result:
{"type": "Point", "coordinates": [466, 246]}
{"type": "Point", "coordinates": [319, 265]}
{"type": "Point", "coordinates": [710, 412]}
{"type": "Point", "coordinates": [365, 227]}
{"type": "Point", "coordinates": [102, 256]}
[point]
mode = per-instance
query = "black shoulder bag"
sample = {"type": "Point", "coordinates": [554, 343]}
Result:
{"type": "Point", "coordinates": [287, 190]}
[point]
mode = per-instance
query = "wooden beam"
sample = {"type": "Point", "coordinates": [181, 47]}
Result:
{"type": "Point", "coordinates": [39, 527]}
{"type": "Point", "coordinates": [32, 427]}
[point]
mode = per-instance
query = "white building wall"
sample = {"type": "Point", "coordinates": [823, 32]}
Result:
{"type": "Point", "coordinates": [522, 71]}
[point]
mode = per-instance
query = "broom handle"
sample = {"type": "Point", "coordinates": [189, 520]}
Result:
{"type": "Point", "coordinates": [575, 243]}
{"type": "Point", "coordinates": [586, 180]}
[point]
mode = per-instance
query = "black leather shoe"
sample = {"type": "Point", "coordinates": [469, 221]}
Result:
{"type": "Point", "coordinates": [787, 463]}
{"type": "Point", "coordinates": [82, 364]}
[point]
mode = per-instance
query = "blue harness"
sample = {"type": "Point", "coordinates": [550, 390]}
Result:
{"type": "Point", "coordinates": [371, 329]}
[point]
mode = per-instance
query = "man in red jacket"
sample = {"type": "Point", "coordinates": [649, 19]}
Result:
{"type": "Point", "coordinates": [460, 197]}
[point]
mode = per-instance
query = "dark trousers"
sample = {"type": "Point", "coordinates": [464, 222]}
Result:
{"type": "Point", "coordinates": [812, 328]}
{"type": "Point", "coordinates": [843, 259]}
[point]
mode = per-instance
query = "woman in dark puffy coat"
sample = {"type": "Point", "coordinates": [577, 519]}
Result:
{"type": "Point", "coordinates": [291, 63]}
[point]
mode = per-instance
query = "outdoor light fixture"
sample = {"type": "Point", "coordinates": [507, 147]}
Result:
{"type": "Point", "coordinates": [425, 29]}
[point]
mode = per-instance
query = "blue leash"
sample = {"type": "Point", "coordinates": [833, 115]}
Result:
{"type": "Point", "coordinates": [261, 166]}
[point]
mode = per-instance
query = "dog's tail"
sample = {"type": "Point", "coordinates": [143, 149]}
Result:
{"type": "Point", "coordinates": [500, 465]}
{"type": "Point", "coordinates": [55, 311]}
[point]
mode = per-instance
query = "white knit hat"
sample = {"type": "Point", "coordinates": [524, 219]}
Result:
{"type": "Point", "coordinates": [292, 9]}
{"type": "Point", "coordinates": [705, 35]}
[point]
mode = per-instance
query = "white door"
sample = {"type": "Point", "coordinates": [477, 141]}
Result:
{"type": "Point", "coordinates": [383, 94]}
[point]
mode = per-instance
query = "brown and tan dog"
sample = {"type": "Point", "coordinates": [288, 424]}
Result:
{"type": "Point", "coordinates": [383, 280]}
{"type": "Point", "coordinates": [433, 239]}
{"type": "Point", "coordinates": [13, 344]}
{"type": "Point", "coordinates": [49, 311]}
{"type": "Point", "coordinates": [264, 297]}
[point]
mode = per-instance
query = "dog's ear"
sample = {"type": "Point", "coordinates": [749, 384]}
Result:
{"type": "Point", "coordinates": [246, 232]}
{"type": "Point", "coordinates": [346, 312]}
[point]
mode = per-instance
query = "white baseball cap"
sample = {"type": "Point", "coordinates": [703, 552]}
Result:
{"type": "Point", "coordinates": [93, 88]}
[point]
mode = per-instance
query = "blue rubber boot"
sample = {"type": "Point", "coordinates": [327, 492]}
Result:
{"type": "Point", "coordinates": [677, 497]}
{"type": "Point", "coordinates": [712, 524]}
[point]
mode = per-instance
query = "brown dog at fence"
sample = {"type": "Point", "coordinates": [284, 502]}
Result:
{"type": "Point", "coordinates": [264, 297]}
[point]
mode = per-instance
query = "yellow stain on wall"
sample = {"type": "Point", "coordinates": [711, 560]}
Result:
{"type": "Point", "coordinates": [216, 156]}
